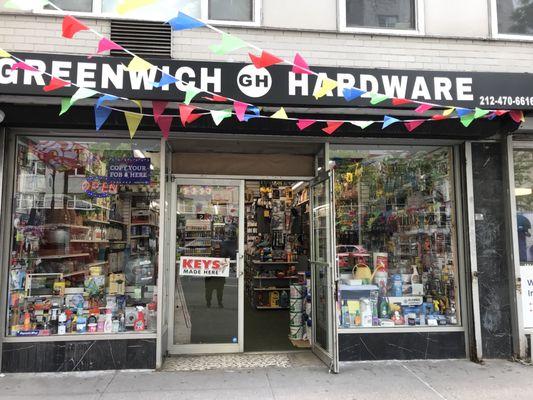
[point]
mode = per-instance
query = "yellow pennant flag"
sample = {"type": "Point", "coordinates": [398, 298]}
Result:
{"type": "Point", "coordinates": [129, 5]}
{"type": "Point", "coordinates": [327, 86]}
{"type": "Point", "coordinates": [448, 111]}
{"type": "Point", "coordinates": [133, 120]}
{"type": "Point", "coordinates": [137, 64]}
{"type": "Point", "coordinates": [4, 54]}
{"type": "Point", "coordinates": [280, 114]}
{"type": "Point", "coordinates": [139, 104]}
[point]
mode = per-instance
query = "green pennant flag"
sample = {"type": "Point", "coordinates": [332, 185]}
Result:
{"type": "Point", "coordinates": [191, 94]}
{"type": "Point", "coordinates": [65, 106]}
{"type": "Point", "coordinates": [479, 112]}
{"type": "Point", "coordinates": [220, 115]}
{"type": "Point", "coordinates": [229, 43]}
{"type": "Point", "coordinates": [466, 120]}
{"type": "Point", "coordinates": [377, 98]}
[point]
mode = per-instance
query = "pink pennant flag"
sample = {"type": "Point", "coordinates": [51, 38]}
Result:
{"type": "Point", "coordinates": [304, 123]}
{"type": "Point", "coordinates": [499, 113]}
{"type": "Point", "coordinates": [412, 125]}
{"type": "Point", "coordinates": [332, 126]}
{"type": "Point", "coordinates": [240, 109]}
{"type": "Point", "coordinates": [517, 116]}
{"type": "Point", "coordinates": [105, 44]}
{"type": "Point", "coordinates": [423, 108]}
{"type": "Point", "coordinates": [399, 102]}
{"type": "Point", "coordinates": [158, 108]}
{"type": "Point", "coordinates": [186, 114]}
{"type": "Point", "coordinates": [300, 65]}
{"type": "Point", "coordinates": [164, 122]}
{"type": "Point", "coordinates": [24, 66]}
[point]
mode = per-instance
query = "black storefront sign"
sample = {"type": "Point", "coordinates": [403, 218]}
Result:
{"type": "Point", "coordinates": [275, 86]}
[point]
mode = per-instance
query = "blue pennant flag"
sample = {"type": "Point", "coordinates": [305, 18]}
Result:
{"type": "Point", "coordinates": [101, 114]}
{"type": "Point", "coordinates": [105, 97]}
{"type": "Point", "coordinates": [248, 117]}
{"type": "Point", "coordinates": [184, 21]}
{"type": "Point", "coordinates": [166, 79]}
{"type": "Point", "coordinates": [492, 116]}
{"type": "Point", "coordinates": [352, 93]}
{"type": "Point", "coordinates": [389, 121]}
{"type": "Point", "coordinates": [463, 111]}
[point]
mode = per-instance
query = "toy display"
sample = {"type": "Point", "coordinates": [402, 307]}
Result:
{"type": "Point", "coordinates": [397, 207]}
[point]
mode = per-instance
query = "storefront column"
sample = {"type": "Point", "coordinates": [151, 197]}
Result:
{"type": "Point", "coordinates": [3, 283]}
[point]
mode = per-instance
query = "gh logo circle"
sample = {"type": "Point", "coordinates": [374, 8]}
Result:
{"type": "Point", "coordinates": [254, 82]}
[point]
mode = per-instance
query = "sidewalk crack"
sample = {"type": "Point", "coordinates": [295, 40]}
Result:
{"type": "Point", "coordinates": [427, 384]}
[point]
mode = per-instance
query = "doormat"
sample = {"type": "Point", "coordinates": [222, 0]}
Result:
{"type": "Point", "coordinates": [225, 361]}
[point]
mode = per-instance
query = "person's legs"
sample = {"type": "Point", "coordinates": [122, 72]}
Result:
{"type": "Point", "coordinates": [220, 291]}
{"type": "Point", "coordinates": [209, 287]}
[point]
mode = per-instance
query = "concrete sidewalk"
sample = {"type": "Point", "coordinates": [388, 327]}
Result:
{"type": "Point", "coordinates": [424, 380]}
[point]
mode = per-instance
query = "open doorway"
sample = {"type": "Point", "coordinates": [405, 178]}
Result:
{"type": "Point", "coordinates": [277, 300]}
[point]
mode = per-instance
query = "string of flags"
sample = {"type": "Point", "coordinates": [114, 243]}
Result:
{"type": "Point", "coordinates": [243, 111]}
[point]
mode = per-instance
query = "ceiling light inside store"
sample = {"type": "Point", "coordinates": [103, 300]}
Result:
{"type": "Point", "coordinates": [138, 154]}
{"type": "Point", "coordinates": [522, 191]}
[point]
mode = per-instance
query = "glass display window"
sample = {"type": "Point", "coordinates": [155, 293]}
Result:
{"type": "Point", "coordinates": [395, 238]}
{"type": "Point", "coordinates": [84, 237]}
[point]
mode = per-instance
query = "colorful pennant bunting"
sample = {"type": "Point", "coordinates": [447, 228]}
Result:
{"type": "Point", "coordinates": [387, 121]}
{"type": "Point", "coordinates": [130, 5]}
{"type": "Point", "coordinates": [467, 119]}
{"type": "Point", "coordinates": [327, 86]}
{"type": "Point", "coordinates": [265, 60]}
{"type": "Point", "coordinates": [65, 106]}
{"type": "Point", "coordinates": [137, 64]}
{"type": "Point", "coordinates": [377, 98]}
{"type": "Point", "coordinates": [399, 102]}
{"type": "Point", "coordinates": [300, 66]}
{"type": "Point", "coordinates": [4, 54]}
{"type": "Point", "coordinates": [229, 43]}
{"type": "Point", "coordinates": [352, 93]}
{"type": "Point", "coordinates": [362, 124]}
{"type": "Point", "coordinates": [332, 126]}
{"type": "Point", "coordinates": [517, 116]}
{"type": "Point", "coordinates": [101, 114]}
{"type": "Point", "coordinates": [304, 123]}
{"type": "Point", "coordinates": [191, 93]}
{"type": "Point", "coordinates": [24, 66]}
{"type": "Point", "coordinates": [166, 80]}
{"type": "Point", "coordinates": [412, 125]}
{"type": "Point", "coordinates": [105, 45]}
{"type": "Point", "coordinates": [280, 114]}
{"type": "Point", "coordinates": [55, 84]}
{"type": "Point", "coordinates": [422, 108]}
{"type": "Point", "coordinates": [82, 93]}
{"type": "Point", "coordinates": [240, 109]}
{"type": "Point", "coordinates": [71, 26]}
{"type": "Point", "coordinates": [165, 122]}
{"type": "Point", "coordinates": [479, 112]}
{"type": "Point", "coordinates": [186, 114]}
{"type": "Point", "coordinates": [184, 21]}
{"type": "Point", "coordinates": [220, 115]}
{"type": "Point", "coordinates": [133, 120]}
{"type": "Point", "coordinates": [158, 108]}
{"type": "Point", "coordinates": [105, 97]}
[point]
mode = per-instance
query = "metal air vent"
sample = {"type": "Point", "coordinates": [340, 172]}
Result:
{"type": "Point", "coordinates": [146, 39]}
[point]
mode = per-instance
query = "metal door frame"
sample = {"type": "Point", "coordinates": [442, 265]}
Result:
{"type": "Point", "coordinates": [207, 347]}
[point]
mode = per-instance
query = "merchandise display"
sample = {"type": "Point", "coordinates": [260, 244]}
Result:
{"type": "Point", "coordinates": [395, 235]}
{"type": "Point", "coordinates": [85, 238]}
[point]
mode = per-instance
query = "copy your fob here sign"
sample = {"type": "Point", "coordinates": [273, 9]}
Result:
{"type": "Point", "coordinates": [204, 266]}
{"type": "Point", "coordinates": [526, 277]}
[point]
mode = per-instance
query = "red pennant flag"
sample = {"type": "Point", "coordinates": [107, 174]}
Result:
{"type": "Point", "coordinates": [399, 102]}
{"type": "Point", "coordinates": [517, 116]}
{"type": "Point", "coordinates": [332, 126]}
{"type": "Point", "coordinates": [71, 26]}
{"type": "Point", "coordinates": [159, 108]}
{"type": "Point", "coordinates": [240, 109]}
{"type": "Point", "coordinates": [217, 98]}
{"type": "Point", "coordinates": [412, 125]}
{"type": "Point", "coordinates": [186, 114]}
{"type": "Point", "coordinates": [300, 65]}
{"type": "Point", "coordinates": [304, 123]}
{"type": "Point", "coordinates": [55, 84]}
{"type": "Point", "coordinates": [266, 60]}
{"type": "Point", "coordinates": [499, 113]}
{"type": "Point", "coordinates": [438, 117]}
{"type": "Point", "coordinates": [423, 108]}
{"type": "Point", "coordinates": [164, 122]}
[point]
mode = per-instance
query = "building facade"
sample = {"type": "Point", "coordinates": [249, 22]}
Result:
{"type": "Point", "coordinates": [435, 211]}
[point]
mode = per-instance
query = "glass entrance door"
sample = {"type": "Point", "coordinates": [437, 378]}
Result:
{"type": "Point", "coordinates": [323, 271]}
{"type": "Point", "coordinates": [207, 310]}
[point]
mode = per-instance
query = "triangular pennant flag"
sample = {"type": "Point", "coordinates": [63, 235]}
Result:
{"type": "Point", "coordinates": [216, 98]}
{"type": "Point", "coordinates": [332, 126]}
{"type": "Point", "coordinates": [130, 5]}
{"type": "Point", "coordinates": [82, 93]}
{"type": "Point", "coordinates": [327, 86]}
{"type": "Point", "coordinates": [71, 26]}
{"type": "Point", "coordinates": [352, 93]}
{"type": "Point", "coordinates": [55, 83]}
{"type": "Point", "coordinates": [492, 116]}
{"type": "Point", "coordinates": [184, 21]}
{"type": "Point", "coordinates": [422, 108]}
{"type": "Point", "coordinates": [25, 5]}
{"type": "Point", "coordinates": [255, 113]}
{"type": "Point", "coordinates": [158, 108]}
{"type": "Point", "coordinates": [65, 106]}
{"type": "Point", "coordinates": [466, 120]}
{"type": "Point", "coordinates": [377, 98]}
{"type": "Point", "coordinates": [164, 122]}
{"type": "Point", "coordinates": [186, 114]}
{"type": "Point", "coordinates": [448, 111]}
{"type": "Point", "coordinates": [24, 66]}
{"type": "Point", "coordinates": [4, 54]}
{"type": "Point", "coordinates": [517, 116]}
{"type": "Point", "coordinates": [166, 79]}
{"type": "Point", "coordinates": [191, 93]}
{"type": "Point", "coordinates": [479, 112]}
{"type": "Point", "coordinates": [137, 64]}
{"type": "Point", "coordinates": [105, 97]}
{"type": "Point", "coordinates": [387, 121]}
{"type": "Point", "coordinates": [229, 43]}
{"type": "Point", "coordinates": [133, 120]}
{"type": "Point", "coordinates": [240, 109]}
{"type": "Point", "coordinates": [439, 117]}
{"type": "Point", "coordinates": [300, 65]}
{"type": "Point", "coordinates": [220, 115]}
{"type": "Point", "coordinates": [280, 114]}
{"type": "Point", "coordinates": [105, 45]}
{"type": "Point", "coordinates": [266, 60]}
{"type": "Point", "coordinates": [304, 123]}
{"type": "Point", "coordinates": [101, 114]}
{"type": "Point", "coordinates": [499, 113]}
{"type": "Point", "coordinates": [362, 124]}
{"type": "Point", "coordinates": [412, 125]}
{"type": "Point", "coordinates": [463, 111]}
{"type": "Point", "coordinates": [399, 102]}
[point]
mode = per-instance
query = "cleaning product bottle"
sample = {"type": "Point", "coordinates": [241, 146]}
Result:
{"type": "Point", "coordinates": [139, 324]}
{"type": "Point", "coordinates": [384, 308]}
{"type": "Point", "coordinates": [27, 321]}
{"type": "Point", "coordinates": [62, 324]}
{"type": "Point", "coordinates": [108, 324]}
{"type": "Point", "coordinates": [345, 314]}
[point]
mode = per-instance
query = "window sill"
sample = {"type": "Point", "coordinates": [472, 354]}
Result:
{"type": "Point", "coordinates": [401, 329]}
{"type": "Point", "coordinates": [81, 337]}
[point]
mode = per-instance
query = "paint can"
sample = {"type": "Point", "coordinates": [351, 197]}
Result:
{"type": "Point", "coordinates": [297, 305]}
{"type": "Point", "coordinates": [297, 291]}
{"type": "Point", "coordinates": [297, 332]}
{"type": "Point", "coordinates": [296, 318]}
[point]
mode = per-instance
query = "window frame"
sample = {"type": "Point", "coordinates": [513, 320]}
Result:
{"type": "Point", "coordinates": [493, 28]}
{"type": "Point", "coordinates": [418, 30]}
{"type": "Point", "coordinates": [204, 14]}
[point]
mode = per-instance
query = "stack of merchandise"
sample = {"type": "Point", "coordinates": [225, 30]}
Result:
{"type": "Point", "coordinates": [296, 316]}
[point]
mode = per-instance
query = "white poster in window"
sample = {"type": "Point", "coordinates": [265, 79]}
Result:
{"type": "Point", "coordinates": [204, 266]}
{"type": "Point", "coordinates": [526, 276]}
